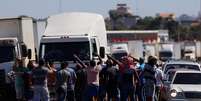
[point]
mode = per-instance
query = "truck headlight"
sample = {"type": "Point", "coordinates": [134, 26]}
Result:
{"type": "Point", "coordinates": [173, 93]}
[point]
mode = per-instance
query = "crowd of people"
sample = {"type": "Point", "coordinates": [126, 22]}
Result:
{"type": "Point", "coordinates": [127, 79]}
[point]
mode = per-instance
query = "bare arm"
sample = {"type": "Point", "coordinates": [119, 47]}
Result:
{"type": "Point", "coordinates": [134, 59]}
{"type": "Point", "coordinates": [113, 59]}
{"type": "Point", "coordinates": [78, 60]}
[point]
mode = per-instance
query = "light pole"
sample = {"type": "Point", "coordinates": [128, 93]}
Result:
{"type": "Point", "coordinates": [60, 6]}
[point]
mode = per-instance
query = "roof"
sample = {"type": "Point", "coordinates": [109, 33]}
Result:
{"type": "Point", "coordinates": [188, 71]}
{"type": "Point", "coordinates": [69, 23]}
{"type": "Point", "coordinates": [159, 32]}
{"type": "Point", "coordinates": [182, 62]}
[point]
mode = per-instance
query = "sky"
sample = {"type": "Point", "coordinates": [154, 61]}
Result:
{"type": "Point", "coordinates": [44, 8]}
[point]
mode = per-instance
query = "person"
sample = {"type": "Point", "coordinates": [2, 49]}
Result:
{"type": "Point", "coordinates": [20, 70]}
{"type": "Point", "coordinates": [51, 78]}
{"type": "Point", "coordinates": [149, 78]}
{"type": "Point", "coordinates": [102, 83]}
{"type": "Point", "coordinates": [92, 89]}
{"type": "Point", "coordinates": [159, 81]}
{"type": "Point", "coordinates": [39, 76]}
{"type": "Point", "coordinates": [62, 76]}
{"type": "Point", "coordinates": [112, 81]}
{"type": "Point", "coordinates": [71, 84]}
{"type": "Point", "coordinates": [28, 81]}
{"type": "Point", "coordinates": [139, 90]}
{"type": "Point", "coordinates": [81, 81]}
{"type": "Point", "coordinates": [128, 77]}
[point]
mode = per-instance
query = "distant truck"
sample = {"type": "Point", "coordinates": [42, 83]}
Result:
{"type": "Point", "coordinates": [118, 50]}
{"type": "Point", "coordinates": [166, 51]}
{"type": "Point", "coordinates": [16, 37]}
{"type": "Point", "coordinates": [79, 33]}
{"type": "Point", "coordinates": [136, 48]}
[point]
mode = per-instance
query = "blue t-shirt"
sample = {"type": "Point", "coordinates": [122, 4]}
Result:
{"type": "Point", "coordinates": [72, 79]}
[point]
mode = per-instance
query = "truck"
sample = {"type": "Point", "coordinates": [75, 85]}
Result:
{"type": "Point", "coordinates": [16, 37]}
{"type": "Point", "coordinates": [165, 51]}
{"type": "Point", "coordinates": [136, 48]}
{"type": "Point", "coordinates": [118, 50]}
{"type": "Point", "coordinates": [80, 33]}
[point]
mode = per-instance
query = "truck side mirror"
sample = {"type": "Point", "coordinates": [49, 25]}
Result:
{"type": "Point", "coordinates": [102, 52]}
{"type": "Point", "coordinates": [24, 50]}
{"type": "Point", "coordinates": [29, 53]}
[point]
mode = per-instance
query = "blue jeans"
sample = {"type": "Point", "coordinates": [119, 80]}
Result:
{"type": "Point", "coordinates": [41, 93]}
{"type": "Point", "coordinates": [61, 94]}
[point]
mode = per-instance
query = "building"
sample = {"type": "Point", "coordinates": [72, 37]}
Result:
{"type": "Point", "coordinates": [147, 36]}
{"type": "Point", "coordinates": [166, 15]}
{"type": "Point", "coordinates": [124, 18]}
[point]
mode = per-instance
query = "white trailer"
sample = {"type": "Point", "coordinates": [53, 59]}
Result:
{"type": "Point", "coordinates": [136, 48]}
{"type": "Point", "coordinates": [16, 36]}
{"type": "Point", "coordinates": [73, 33]}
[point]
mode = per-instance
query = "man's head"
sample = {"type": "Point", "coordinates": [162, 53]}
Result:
{"type": "Point", "coordinates": [152, 60]}
{"type": "Point", "coordinates": [141, 60]}
{"type": "Point", "coordinates": [109, 63]}
{"type": "Point", "coordinates": [21, 62]}
{"type": "Point", "coordinates": [64, 65]}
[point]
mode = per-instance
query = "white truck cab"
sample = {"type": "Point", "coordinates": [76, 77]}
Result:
{"type": "Point", "coordinates": [77, 33]}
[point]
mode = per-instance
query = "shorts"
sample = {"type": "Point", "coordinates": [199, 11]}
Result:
{"type": "Point", "coordinates": [92, 90]}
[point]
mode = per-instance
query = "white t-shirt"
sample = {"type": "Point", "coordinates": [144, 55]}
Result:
{"type": "Point", "coordinates": [159, 77]}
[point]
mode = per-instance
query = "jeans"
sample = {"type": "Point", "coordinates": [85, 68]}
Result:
{"type": "Point", "coordinates": [61, 94]}
{"type": "Point", "coordinates": [113, 94]}
{"type": "Point", "coordinates": [41, 93]}
{"type": "Point", "coordinates": [70, 95]}
{"type": "Point", "coordinates": [102, 92]}
{"type": "Point", "coordinates": [127, 92]}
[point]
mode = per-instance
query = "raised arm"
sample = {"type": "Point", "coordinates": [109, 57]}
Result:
{"type": "Point", "coordinates": [79, 61]}
{"type": "Point", "coordinates": [113, 59]}
{"type": "Point", "coordinates": [134, 59]}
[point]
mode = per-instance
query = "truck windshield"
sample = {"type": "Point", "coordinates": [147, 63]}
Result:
{"type": "Point", "coordinates": [7, 53]}
{"type": "Point", "coordinates": [187, 78]}
{"type": "Point", "coordinates": [118, 56]}
{"type": "Point", "coordinates": [63, 51]}
{"type": "Point", "coordinates": [165, 54]}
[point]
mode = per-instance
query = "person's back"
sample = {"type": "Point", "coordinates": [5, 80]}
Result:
{"type": "Point", "coordinates": [40, 76]}
{"type": "Point", "coordinates": [71, 84]}
{"type": "Point", "coordinates": [62, 77]}
{"type": "Point", "coordinates": [149, 78]}
{"type": "Point", "coordinates": [81, 81]}
{"type": "Point", "coordinates": [112, 77]}
{"type": "Point", "coordinates": [113, 83]}
{"type": "Point", "coordinates": [127, 76]}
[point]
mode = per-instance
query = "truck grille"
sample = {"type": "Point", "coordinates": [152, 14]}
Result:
{"type": "Point", "coordinates": [193, 95]}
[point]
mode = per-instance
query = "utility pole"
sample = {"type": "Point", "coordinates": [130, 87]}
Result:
{"type": "Point", "coordinates": [60, 6]}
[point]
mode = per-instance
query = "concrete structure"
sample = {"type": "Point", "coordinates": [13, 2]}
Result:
{"type": "Point", "coordinates": [147, 36]}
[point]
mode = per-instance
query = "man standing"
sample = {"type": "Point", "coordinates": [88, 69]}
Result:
{"type": "Point", "coordinates": [39, 75]}
{"type": "Point", "coordinates": [20, 70]}
{"type": "Point", "coordinates": [62, 77]}
{"type": "Point", "coordinates": [71, 84]}
{"type": "Point", "coordinates": [149, 78]}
